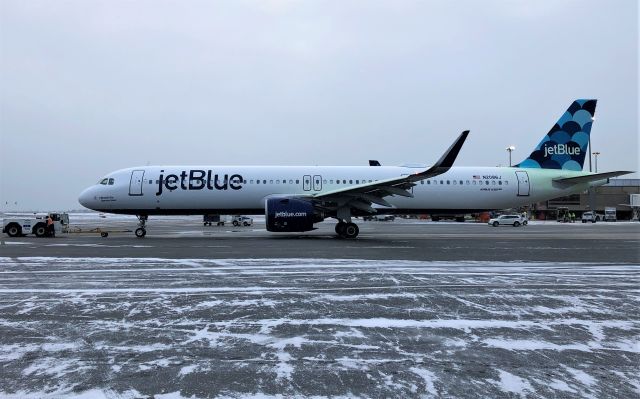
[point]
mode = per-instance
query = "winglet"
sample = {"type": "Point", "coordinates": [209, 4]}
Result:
{"type": "Point", "coordinates": [448, 158]}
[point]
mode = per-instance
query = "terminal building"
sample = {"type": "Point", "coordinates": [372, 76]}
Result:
{"type": "Point", "coordinates": [615, 194]}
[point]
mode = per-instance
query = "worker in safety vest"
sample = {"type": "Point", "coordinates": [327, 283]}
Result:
{"type": "Point", "coordinates": [51, 228]}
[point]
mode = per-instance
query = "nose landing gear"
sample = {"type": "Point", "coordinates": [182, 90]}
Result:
{"type": "Point", "coordinates": [142, 221]}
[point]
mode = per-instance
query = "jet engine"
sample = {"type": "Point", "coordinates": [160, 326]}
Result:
{"type": "Point", "coordinates": [290, 215]}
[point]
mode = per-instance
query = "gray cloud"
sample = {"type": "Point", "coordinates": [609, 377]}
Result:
{"type": "Point", "coordinates": [87, 87]}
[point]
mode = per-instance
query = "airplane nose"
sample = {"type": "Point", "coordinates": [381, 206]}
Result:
{"type": "Point", "coordinates": [87, 198]}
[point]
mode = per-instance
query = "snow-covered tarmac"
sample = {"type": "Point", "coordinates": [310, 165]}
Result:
{"type": "Point", "coordinates": [409, 309]}
{"type": "Point", "coordinates": [136, 327]}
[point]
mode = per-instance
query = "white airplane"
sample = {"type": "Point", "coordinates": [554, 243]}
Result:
{"type": "Point", "coordinates": [293, 198]}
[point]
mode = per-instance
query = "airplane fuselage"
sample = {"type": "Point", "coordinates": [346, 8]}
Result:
{"type": "Point", "coordinates": [172, 190]}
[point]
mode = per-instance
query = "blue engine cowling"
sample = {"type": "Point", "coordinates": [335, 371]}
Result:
{"type": "Point", "coordinates": [290, 215]}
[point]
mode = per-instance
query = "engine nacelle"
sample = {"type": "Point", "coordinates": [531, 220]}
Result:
{"type": "Point", "coordinates": [290, 215]}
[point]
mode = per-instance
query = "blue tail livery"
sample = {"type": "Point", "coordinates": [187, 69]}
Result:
{"type": "Point", "coordinates": [565, 146]}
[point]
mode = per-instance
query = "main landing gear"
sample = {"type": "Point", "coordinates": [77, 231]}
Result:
{"type": "Point", "coordinates": [347, 230]}
{"type": "Point", "coordinates": [142, 221]}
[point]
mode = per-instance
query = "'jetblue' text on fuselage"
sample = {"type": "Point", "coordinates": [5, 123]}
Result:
{"type": "Point", "coordinates": [198, 180]}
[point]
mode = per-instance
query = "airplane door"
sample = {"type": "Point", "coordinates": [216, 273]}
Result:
{"type": "Point", "coordinates": [135, 184]}
{"type": "Point", "coordinates": [317, 182]}
{"type": "Point", "coordinates": [523, 183]}
{"type": "Point", "coordinates": [306, 182]}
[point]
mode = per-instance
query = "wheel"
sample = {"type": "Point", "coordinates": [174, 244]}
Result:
{"type": "Point", "coordinates": [14, 230]}
{"type": "Point", "coordinates": [235, 223]}
{"type": "Point", "coordinates": [141, 232]}
{"type": "Point", "coordinates": [245, 224]}
{"type": "Point", "coordinates": [496, 224]}
{"type": "Point", "coordinates": [104, 234]}
{"type": "Point", "coordinates": [40, 230]}
{"type": "Point", "coordinates": [435, 219]}
{"type": "Point", "coordinates": [584, 221]}
{"type": "Point", "coordinates": [516, 224]}
{"type": "Point", "coordinates": [525, 223]}
{"type": "Point", "coordinates": [351, 230]}
{"type": "Point", "coordinates": [593, 221]}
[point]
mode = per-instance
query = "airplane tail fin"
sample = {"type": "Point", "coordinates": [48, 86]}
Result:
{"type": "Point", "coordinates": [565, 146]}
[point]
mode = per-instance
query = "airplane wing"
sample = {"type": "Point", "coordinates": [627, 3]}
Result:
{"type": "Point", "coordinates": [361, 196]}
{"type": "Point", "coordinates": [591, 177]}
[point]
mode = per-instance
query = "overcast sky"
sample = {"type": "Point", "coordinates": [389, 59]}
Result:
{"type": "Point", "coordinates": [87, 87]}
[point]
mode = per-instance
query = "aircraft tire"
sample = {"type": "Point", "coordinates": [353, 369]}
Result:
{"type": "Point", "coordinates": [141, 232]}
{"type": "Point", "coordinates": [351, 230]}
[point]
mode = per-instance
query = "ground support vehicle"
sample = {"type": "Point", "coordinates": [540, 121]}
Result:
{"type": "Point", "coordinates": [242, 221]}
{"type": "Point", "coordinates": [508, 220]}
{"type": "Point", "coordinates": [219, 220]}
{"type": "Point", "coordinates": [610, 214]}
{"type": "Point", "coordinates": [35, 224]}
{"type": "Point", "coordinates": [589, 216]}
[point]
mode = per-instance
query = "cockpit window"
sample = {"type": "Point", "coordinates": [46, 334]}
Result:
{"type": "Point", "coordinates": [111, 182]}
{"type": "Point", "coordinates": [104, 181]}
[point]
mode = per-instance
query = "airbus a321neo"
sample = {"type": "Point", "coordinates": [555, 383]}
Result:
{"type": "Point", "coordinates": [294, 198]}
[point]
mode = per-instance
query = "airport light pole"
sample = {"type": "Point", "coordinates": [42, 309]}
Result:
{"type": "Point", "coordinates": [595, 154]}
{"type": "Point", "coordinates": [510, 150]}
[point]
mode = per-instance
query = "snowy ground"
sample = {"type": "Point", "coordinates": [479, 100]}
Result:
{"type": "Point", "coordinates": [131, 327]}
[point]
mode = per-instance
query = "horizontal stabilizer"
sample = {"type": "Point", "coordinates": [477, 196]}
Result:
{"type": "Point", "coordinates": [591, 177]}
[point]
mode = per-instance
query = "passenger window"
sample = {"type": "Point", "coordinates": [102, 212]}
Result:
{"type": "Point", "coordinates": [291, 181]}
{"type": "Point", "coordinates": [350, 181]}
{"type": "Point", "coordinates": [330, 181]}
{"type": "Point", "coordinates": [250, 181]}
{"type": "Point", "coordinates": [455, 182]}
{"type": "Point", "coordinates": [421, 181]}
{"type": "Point", "coordinates": [441, 181]}
{"type": "Point", "coordinates": [500, 182]}
{"type": "Point", "coordinates": [448, 182]}
{"type": "Point", "coordinates": [270, 181]}
{"type": "Point", "coordinates": [487, 181]}
{"type": "Point", "coordinates": [357, 181]}
{"type": "Point", "coordinates": [297, 181]}
{"type": "Point", "coordinates": [257, 181]}
{"type": "Point", "coordinates": [461, 182]}
{"type": "Point", "coordinates": [324, 181]}
{"type": "Point", "coordinates": [467, 182]}
{"type": "Point", "coordinates": [506, 182]}
{"type": "Point", "coordinates": [344, 181]}
{"type": "Point", "coordinates": [428, 181]}
{"type": "Point", "coordinates": [474, 183]}
{"type": "Point", "coordinates": [277, 181]}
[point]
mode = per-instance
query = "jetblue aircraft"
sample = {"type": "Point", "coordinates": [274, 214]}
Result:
{"type": "Point", "coordinates": [293, 198]}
